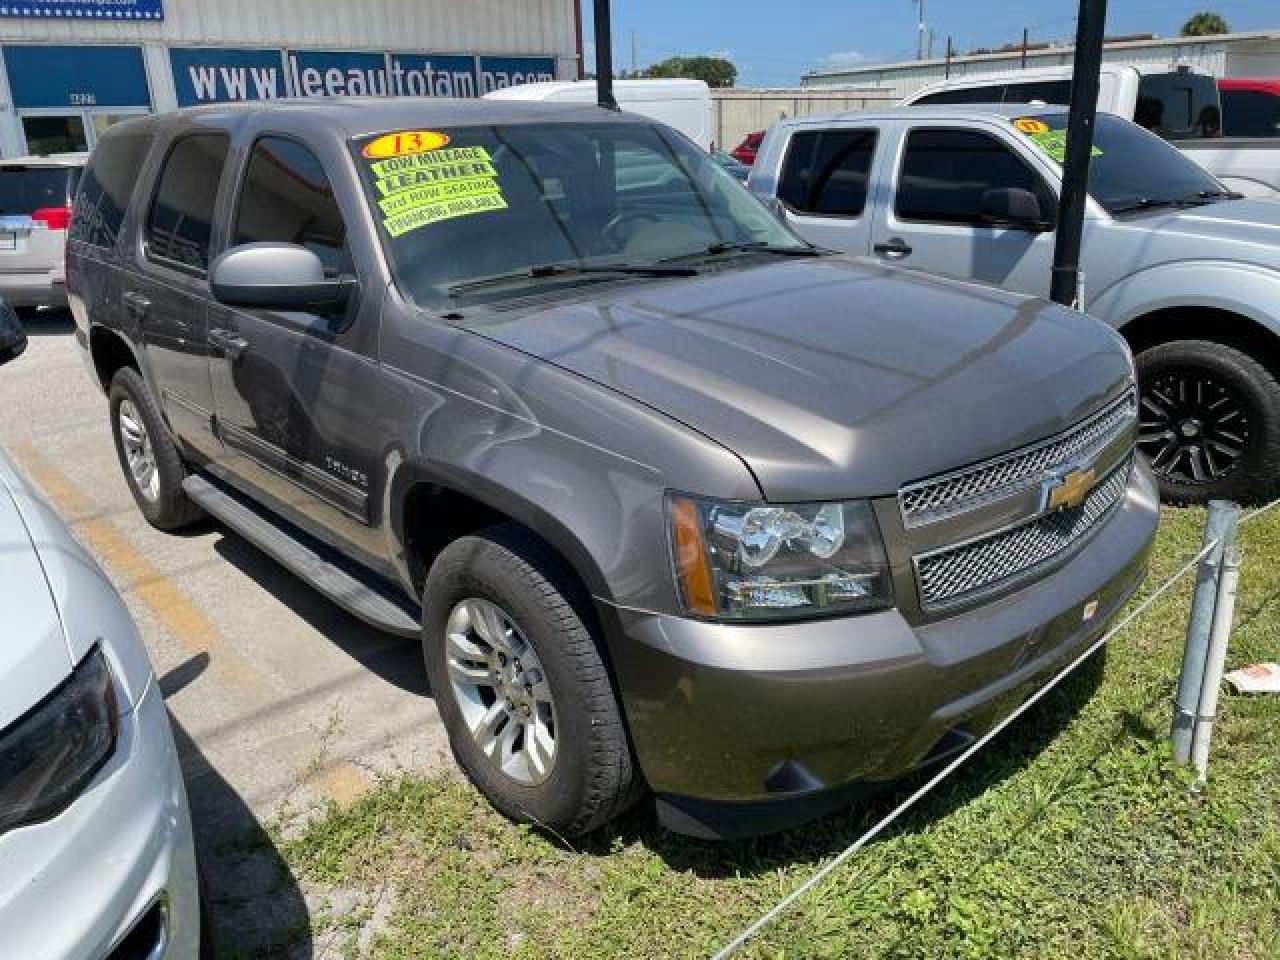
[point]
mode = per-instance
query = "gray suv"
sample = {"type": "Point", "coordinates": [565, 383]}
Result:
{"type": "Point", "coordinates": [674, 501]}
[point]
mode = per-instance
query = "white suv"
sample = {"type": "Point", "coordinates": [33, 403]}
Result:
{"type": "Point", "coordinates": [35, 210]}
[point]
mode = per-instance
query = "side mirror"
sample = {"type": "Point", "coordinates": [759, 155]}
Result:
{"type": "Point", "coordinates": [1014, 207]}
{"type": "Point", "coordinates": [13, 336]}
{"type": "Point", "coordinates": [280, 276]}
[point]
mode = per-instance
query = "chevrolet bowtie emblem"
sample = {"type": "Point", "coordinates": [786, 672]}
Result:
{"type": "Point", "coordinates": [1069, 489]}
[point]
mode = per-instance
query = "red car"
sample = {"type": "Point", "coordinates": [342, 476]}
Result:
{"type": "Point", "coordinates": [1250, 106]}
{"type": "Point", "coordinates": [745, 152]}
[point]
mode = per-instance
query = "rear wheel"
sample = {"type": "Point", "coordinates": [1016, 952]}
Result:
{"type": "Point", "coordinates": [152, 465]}
{"type": "Point", "coordinates": [1209, 422]}
{"type": "Point", "coordinates": [520, 684]}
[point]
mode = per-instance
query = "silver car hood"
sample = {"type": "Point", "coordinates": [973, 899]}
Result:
{"type": "Point", "coordinates": [834, 377]}
{"type": "Point", "coordinates": [34, 657]}
{"type": "Point", "coordinates": [57, 604]}
{"type": "Point", "coordinates": [1252, 221]}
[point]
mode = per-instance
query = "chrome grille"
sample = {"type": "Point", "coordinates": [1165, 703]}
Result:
{"type": "Point", "coordinates": [956, 573]}
{"type": "Point", "coordinates": [931, 500]}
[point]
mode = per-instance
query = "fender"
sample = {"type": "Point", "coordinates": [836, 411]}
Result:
{"type": "Point", "coordinates": [1245, 289]}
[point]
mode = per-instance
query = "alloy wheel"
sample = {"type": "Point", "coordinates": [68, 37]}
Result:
{"type": "Point", "coordinates": [138, 451]}
{"type": "Point", "coordinates": [502, 691]}
{"type": "Point", "coordinates": [1193, 428]}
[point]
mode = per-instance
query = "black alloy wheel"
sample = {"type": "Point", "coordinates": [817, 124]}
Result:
{"type": "Point", "coordinates": [1193, 428]}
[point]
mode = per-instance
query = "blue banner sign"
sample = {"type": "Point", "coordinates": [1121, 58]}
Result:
{"type": "Point", "coordinates": [499, 72]}
{"type": "Point", "coordinates": [80, 76]}
{"type": "Point", "coordinates": [222, 74]}
{"type": "Point", "coordinates": [85, 9]}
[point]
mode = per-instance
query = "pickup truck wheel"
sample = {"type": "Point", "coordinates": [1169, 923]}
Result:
{"type": "Point", "coordinates": [520, 685]}
{"type": "Point", "coordinates": [1209, 422]}
{"type": "Point", "coordinates": [152, 466]}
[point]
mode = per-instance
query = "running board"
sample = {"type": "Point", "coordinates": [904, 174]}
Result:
{"type": "Point", "coordinates": [320, 566]}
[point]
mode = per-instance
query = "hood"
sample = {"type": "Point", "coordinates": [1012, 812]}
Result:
{"type": "Point", "coordinates": [1250, 220]}
{"type": "Point", "coordinates": [834, 377]}
{"type": "Point", "coordinates": [34, 657]}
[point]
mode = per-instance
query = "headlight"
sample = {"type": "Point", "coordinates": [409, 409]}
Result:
{"type": "Point", "coordinates": [754, 561]}
{"type": "Point", "coordinates": [49, 755]}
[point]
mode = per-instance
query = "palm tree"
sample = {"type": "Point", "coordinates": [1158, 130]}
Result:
{"type": "Point", "coordinates": [1205, 24]}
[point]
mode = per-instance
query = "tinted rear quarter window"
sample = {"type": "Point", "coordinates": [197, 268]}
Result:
{"type": "Point", "coordinates": [991, 93]}
{"type": "Point", "coordinates": [945, 173]}
{"type": "Point", "coordinates": [106, 188]}
{"type": "Point", "coordinates": [1179, 105]}
{"type": "Point", "coordinates": [1043, 91]}
{"type": "Point", "coordinates": [180, 223]}
{"type": "Point", "coordinates": [827, 172]}
{"type": "Point", "coordinates": [24, 190]}
{"type": "Point", "coordinates": [287, 198]}
{"type": "Point", "coordinates": [1250, 113]}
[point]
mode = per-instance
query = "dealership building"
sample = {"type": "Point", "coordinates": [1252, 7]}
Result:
{"type": "Point", "coordinates": [71, 68]}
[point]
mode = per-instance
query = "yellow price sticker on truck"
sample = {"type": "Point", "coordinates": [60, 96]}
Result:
{"type": "Point", "coordinates": [426, 187]}
{"type": "Point", "coordinates": [1052, 142]}
{"type": "Point", "coordinates": [404, 142]}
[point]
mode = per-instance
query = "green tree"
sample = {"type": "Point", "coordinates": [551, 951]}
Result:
{"type": "Point", "coordinates": [1205, 24]}
{"type": "Point", "coordinates": [715, 71]}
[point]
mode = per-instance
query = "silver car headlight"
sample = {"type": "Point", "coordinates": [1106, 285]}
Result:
{"type": "Point", "coordinates": [49, 755]}
{"type": "Point", "coordinates": [758, 561]}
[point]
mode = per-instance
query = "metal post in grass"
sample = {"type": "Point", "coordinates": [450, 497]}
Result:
{"type": "Point", "coordinates": [1219, 637]}
{"type": "Point", "coordinates": [1220, 531]}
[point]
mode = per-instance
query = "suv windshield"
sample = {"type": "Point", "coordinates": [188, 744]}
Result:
{"type": "Point", "coordinates": [24, 190]}
{"type": "Point", "coordinates": [488, 212]}
{"type": "Point", "coordinates": [1131, 169]}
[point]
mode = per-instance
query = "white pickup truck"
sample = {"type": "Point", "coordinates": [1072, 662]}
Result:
{"type": "Point", "coordinates": [1187, 271]}
{"type": "Point", "coordinates": [1177, 102]}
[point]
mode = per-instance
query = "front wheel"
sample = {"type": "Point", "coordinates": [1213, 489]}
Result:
{"type": "Point", "coordinates": [520, 684]}
{"type": "Point", "coordinates": [1209, 422]}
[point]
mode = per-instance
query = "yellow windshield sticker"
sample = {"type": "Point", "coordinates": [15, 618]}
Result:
{"type": "Point", "coordinates": [1052, 142]}
{"type": "Point", "coordinates": [404, 143]}
{"type": "Point", "coordinates": [419, 189]}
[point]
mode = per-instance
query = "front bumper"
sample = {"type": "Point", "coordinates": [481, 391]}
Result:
{"type": "Point", "coordinates": [746, 729]}
{"type": "Point", "coordinates": [119, 860]}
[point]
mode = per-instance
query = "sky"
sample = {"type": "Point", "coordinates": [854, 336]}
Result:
{"type": "Point", "coordinates": [773, 43]}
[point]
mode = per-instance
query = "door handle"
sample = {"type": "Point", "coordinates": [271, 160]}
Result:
{"type": "Point", "coordinates": [229, 342]}
{"type": "Point", "coordinates": [895, 249]}
{"type": "Point", "coordinates": [136, 304]}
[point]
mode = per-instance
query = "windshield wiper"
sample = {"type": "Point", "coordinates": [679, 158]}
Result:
{"type": "Point", "coordinates": [1197, 199]}
{"type": "Point", "coordinates": [748, 246]}
{"type": "Point", "coordinates": [545, 270]}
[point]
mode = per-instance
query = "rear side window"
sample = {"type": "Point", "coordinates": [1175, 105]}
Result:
{"type": "Point", "coordinates": [827, 172]}
{"type": "Point", "coordinates": [106, 187]}
{"type": "Point", "coordinates": [180, 223]}
{"type": "Point", "coordinates": [1043, 91]}
{"type": "Point", "coordinates": [945, 173]}
{"type": "Point", "coordinates": [1179, 106]}
{"type": "Point", "coordinates": [23, 190]}
{"type": "Point", "coordinates": [992, 93]}
{"type": "Point", "coordinates": [1250, 113]}
{"type": "Point", "coordinates": [287, 198]}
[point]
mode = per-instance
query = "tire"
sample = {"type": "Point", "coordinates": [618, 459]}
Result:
{"type": "Point", "coordinates": [159, 496]}
{"type": "Point", "coordinates": [1204, 399]}
{"type": "Point", "coordinates": [591, 777]}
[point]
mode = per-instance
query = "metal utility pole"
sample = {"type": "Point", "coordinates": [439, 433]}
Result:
{"type": "Point", "coordinates": [920, 31]}
{"type": "Point", "coordinates": [950, 52]}
{"type": "Point", "coordinates": [1026, 35]}
{"type": "Point", "coordinates": [1066, 286]}
{"type": "Point", "coordinates": [604, 56]}
{"type": "Point", "coordinates": [633, 53]}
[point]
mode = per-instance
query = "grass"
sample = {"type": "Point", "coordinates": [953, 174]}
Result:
{"type": "Point", "coordinates": [1070, 836]}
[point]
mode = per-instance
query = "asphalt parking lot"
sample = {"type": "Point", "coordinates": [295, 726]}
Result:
{"type": "Point", "coordinates": [280, 700]}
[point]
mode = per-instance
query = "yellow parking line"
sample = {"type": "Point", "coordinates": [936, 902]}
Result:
{"type": "Point", "coordinates": [135, 574]}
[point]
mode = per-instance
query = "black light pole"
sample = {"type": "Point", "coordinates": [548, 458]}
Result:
{"type": "Point", "coordinates": [1065, 287]}
{"type": "Point", "coordinates": [604, 57]}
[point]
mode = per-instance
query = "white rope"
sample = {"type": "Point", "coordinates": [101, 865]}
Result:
{"type": "Point", "coordinates": [1255, 514]}
{"type": "Point", "coordinates": [831, 866]}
